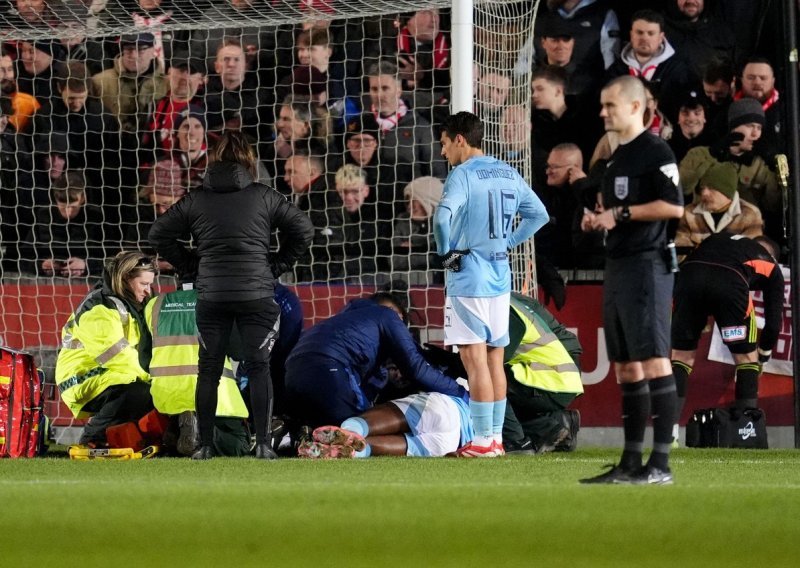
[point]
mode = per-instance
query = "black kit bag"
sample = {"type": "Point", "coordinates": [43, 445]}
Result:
{"type": "Point", "coordinates": [727, 428]}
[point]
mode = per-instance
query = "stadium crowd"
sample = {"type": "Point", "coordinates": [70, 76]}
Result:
{"type": "Point", "coordinates": [100, 135]}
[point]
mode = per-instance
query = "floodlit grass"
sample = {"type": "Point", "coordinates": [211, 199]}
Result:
{"type": "Point", "coordinates": [727, 508]}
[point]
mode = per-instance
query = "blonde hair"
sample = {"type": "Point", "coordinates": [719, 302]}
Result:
{"type": "Point", "coordinates": [233, 146]}
{"type": "Point", "coordinates": [350, 174]}
{"type": "Point", "coordinates": [123, 268]}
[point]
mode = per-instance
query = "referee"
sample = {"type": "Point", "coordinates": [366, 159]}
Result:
{"type": "Point", "coordinates": [640, 193]}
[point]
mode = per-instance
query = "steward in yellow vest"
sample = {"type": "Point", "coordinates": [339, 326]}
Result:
{"type": "Point", "coordinates": [102, 367]}
{"type": "Point", "coordinates": [173, 370]}
{"type": "Point", "coordinates": [542, 368]}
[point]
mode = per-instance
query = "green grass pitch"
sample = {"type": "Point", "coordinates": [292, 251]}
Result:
{"type": "Point", "coordinates": [727, 509]}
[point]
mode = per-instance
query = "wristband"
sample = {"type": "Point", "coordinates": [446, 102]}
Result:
{"type": "Point", "coordinates": [624, 214]}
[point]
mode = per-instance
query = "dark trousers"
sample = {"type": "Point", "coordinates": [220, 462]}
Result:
{"type": "Point", "coordinates": [322, 391]}
{"type": "Point", "coordinates": [257, 322]}
{"type": "Point", "coordinates": [534, 413]}
{"type": "Point", "coordinates": [116, 405]}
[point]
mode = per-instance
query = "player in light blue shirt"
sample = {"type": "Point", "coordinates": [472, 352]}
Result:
{"type": "Point", "coordinates": [473, 227]}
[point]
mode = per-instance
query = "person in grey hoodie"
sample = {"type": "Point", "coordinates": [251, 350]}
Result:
{"type": "Point", "coordinates": [650, 56]}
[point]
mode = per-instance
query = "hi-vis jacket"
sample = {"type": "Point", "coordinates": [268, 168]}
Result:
{"type": "Point", "coordinates": [173, 366]}
{"type": "Point", "coordinates": [537, 356]}
{"type": "Point", "coordinates": [103, 343]}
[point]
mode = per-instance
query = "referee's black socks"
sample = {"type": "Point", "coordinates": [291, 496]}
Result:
{"type": "Point", "coordinates": [635, 411]}
{"type": "Point", "coordinates": [664, 404]}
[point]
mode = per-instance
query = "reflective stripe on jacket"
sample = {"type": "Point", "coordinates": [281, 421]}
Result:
{"type": "Point", "coordinates": [99, 349]}
{"type": "Point", "coordinates": [173, 367]}
{"type": "Point", "coordinates": [541, 360]}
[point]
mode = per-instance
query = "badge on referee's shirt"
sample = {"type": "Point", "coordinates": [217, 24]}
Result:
{"type": "Point", "coordinates": [621, 187]}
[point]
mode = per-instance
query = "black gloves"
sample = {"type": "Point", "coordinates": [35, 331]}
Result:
{"type": "Point", "coordinates": [764, 355]}
{"type": "Point", "coordinates": [277, 266]}
{"type": "Point", "coordinates": [721, 149]}
{"type": "Point", "coordinates": [452, 260]}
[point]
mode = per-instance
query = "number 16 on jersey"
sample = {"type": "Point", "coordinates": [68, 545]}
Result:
{"type": "Point", "coordinates": [502, 207]}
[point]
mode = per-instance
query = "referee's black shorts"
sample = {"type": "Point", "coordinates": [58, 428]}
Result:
{"type": "Point", "coordinates": [637, 297]}
{"type": "Point", "coordinates": [703, 290]}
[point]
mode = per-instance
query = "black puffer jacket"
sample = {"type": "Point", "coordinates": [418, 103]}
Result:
{"type": "Point", "coordinates": [232, 221]}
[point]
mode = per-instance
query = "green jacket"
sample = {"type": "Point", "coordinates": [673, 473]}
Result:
{"type": "Point", "coordinates": [130, 97]}
{"type": "Point", "coordinates": [757, 183]}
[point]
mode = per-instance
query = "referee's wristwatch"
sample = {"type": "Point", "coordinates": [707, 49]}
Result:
{"type": "Point", "coordinates": [623, 214]}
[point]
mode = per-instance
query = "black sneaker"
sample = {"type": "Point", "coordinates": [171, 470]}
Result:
{"type": "Point", "coordinates": [572, 421]}
{"type": "Point", "coordinates": [651, 475]}
{"type": "Point", "coordinates": [616, 475]}
{"type": "Point", "coordinates": [522, 447]}
{"type": "Point", "coordinates": [559, 438]}
{"type": "Point", "coordinates": [204, 453]}
{"type": "Point", "coordinates": [265, 452]}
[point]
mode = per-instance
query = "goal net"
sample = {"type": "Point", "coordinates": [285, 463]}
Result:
{"type": "Point", "coordinates": [107, 109]}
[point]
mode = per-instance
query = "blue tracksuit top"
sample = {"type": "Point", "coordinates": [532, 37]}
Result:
{"type": "Point", "coordinates": [362, 337]}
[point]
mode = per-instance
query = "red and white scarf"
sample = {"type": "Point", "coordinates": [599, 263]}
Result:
{"type": "Point", "coordinates": [646, 73]}
{"type": "Point", "coordinates": [387, 123]}
{"type": "Point", "coordinates": [771, 100]}
{"type": "Point", "coordinates": [153, 25]}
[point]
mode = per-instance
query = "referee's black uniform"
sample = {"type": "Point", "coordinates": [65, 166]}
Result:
{"type": "Point", "coordinates": [638, 281]}
{"type": "Point", "coordinates": [637, 297]}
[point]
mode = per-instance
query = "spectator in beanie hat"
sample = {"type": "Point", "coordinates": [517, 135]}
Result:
{"type": "Point", "coordinates": [364, 133]}
{"type": "Point", "coordinates": [190, 145]}
{"type": "Point", "coordinates": [39, 65]}
{"type": "Point", "coordinates": [362, 140]}
{"type": "Point", "coordinates": [718, 208]}
{"type": "Point", "coordinates": [745, 111]}
{"type": "Point", "coordinates": [757, 183]}
{"type": "Point", "coordinates": [185, 79]}
{"type": "Point", "coordinates": [692, 128]}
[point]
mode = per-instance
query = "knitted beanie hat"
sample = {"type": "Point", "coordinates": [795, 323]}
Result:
{"type": "Point", "coordinates": [745, 111]}
{"type": "Point", "coordinates": [721, 177]}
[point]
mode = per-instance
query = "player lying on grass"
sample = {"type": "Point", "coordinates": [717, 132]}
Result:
{"type": "Point", "coordinates": [422, 425]}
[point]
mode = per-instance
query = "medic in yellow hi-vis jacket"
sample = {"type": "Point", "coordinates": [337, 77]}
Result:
{"type": "Point", "coordinates": [173, 371]}
{"type": "Point", "coordinates": [102, 367]}
{"type": "Point", "coordinates": [541, 363]}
